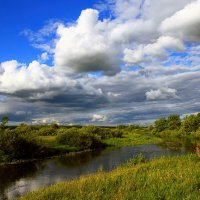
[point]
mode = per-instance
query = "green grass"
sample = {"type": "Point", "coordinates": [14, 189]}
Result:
{"type": "Point", "coordinates": [132, 139]}
{"type": "Point", "coordinates": [50, 142]}
{"type": "Point", "coordinates": [164, 178]}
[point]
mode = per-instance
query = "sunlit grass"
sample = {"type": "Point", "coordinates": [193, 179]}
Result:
{"type": "Point", "coordinates": [164, 178]}
{"type": "Point", "coordinates": [132, 138]}
{"type": "Point", "coordinates": [50, 142]}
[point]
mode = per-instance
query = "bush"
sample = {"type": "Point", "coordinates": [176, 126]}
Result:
{"type": "Point", "coordinates": [160, 125]}
{"type": "Point", "coordinates": [15, 146]}
{"type": "Point", "coordinates": [196, 134]}
{"type": "Point", "coordinates": [121, 126]}
{"type": "Point", "coordinates": [169, 133]}
{"type": "Point", "coordinates": [95, 130]}
{"type": "Point", "coordinates": [47, 131]}
{"type": "Point", "coordinates": [190, 124]}
{"type": "Point", "coordinates": [173, 122]}
{"type": "Point", "coordinates": [103, 133]}
{"type": "Point", "coordinates": [25, 130]}
{"type": "Point", "coordinates": [116, 133]}
{"type": "Point", "coordinates": [79, 138]}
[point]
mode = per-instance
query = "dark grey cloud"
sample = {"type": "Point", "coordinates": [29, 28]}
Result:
{"type": "Point", "coordinates": [119, 99]}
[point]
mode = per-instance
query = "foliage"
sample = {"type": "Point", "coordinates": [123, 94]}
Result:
{"type": "Point", "coordinates": [121, 126]}
{"type": "Point", "coordinates": [115, 133]}
{"type": "Point", "coordinates": [135, 160]}
{"type": "Point", "coordinates": [137, 137]}
{"type": "Point", "coordinates": [173, 122]}
{"type": "Point", "coordinates": [174, 127]}
{"type": "Point", "coordinates": [103, 133]}
{"type": "Point", "coordinates": [163, 178]}
{"type": "Point", "coordinates": [196, 134]}
{"type": "Point", "coordinates": [4, 121]}
{"type": "Point", "coordinates": [14, 146]}
{"type": "Point", "coordinates": [161, 124]}
{"type": "Point", "coordinates": [190, 124]}
{"type": "Point", "coordinates": [47, 130]}
{"type": "Point", "coordinates": [79, 138]}
{"type": "Point", "coordinates": [25, 130]}
{"type": "Point", "coordinates": [170, 133]}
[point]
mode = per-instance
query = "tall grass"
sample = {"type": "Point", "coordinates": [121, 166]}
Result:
{"type": "Point", "coordinates": [133, 138]}
{"type": "Point", "coordinates": [168, 178]}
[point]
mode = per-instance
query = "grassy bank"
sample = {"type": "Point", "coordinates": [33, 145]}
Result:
{"type": "Point", "coordinates": [129, 138]}
{"type": "Point", "coordinates": [51, 143]}
{"type": "Point", "coordinates": [164, 178]}
{"type": "Point", "coordinates": [47, 141]}
{"type": "Point", "coordinates": [133, 139]}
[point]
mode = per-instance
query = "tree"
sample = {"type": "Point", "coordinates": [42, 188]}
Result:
{"type": "Point", "coordinates": [190, 124]}
{"type": "Point", "coordinates": [198, 119]}
{"type": "Point", "coordinates": [173, 122]}
{"type": "Point", "coordinates": [160, 124]}
{"type": "Point", "coordinates": [4, 121]}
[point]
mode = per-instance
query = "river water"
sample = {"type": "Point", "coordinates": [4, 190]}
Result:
{"type": "Point", "coordinates": [17, 180]}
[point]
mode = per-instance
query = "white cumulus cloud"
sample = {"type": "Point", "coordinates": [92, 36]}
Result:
{"type": "Point", "coordinates": [162, 93]}
{"type": "Point", "coordinates": [157, 49]}
{"type": "Point", "coordinates": [85, 46]}
{"type": "Point", "coordinates": [98, 118]}
{"type": "Point", "coordinates": [184, 23]}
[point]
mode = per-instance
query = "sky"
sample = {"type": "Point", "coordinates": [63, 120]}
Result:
{"type": "Point", "coordinates": [102, 62]}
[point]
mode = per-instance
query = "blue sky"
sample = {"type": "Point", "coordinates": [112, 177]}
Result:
{"type": "Point", "coordinates": [19, 15]}
{"type": "Point", "coordinates": [99, 62]}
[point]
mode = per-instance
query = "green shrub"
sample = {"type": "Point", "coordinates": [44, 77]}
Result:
{"type": "Point", "coordinates": [25, 130]}
{"type": "Point", "coordinates": [173, 122]}
{"type": "Point", "coordinates": [169, 133]}
{"type": "Point", "coordinates": [196, 134]}
{"type": "Point", "coordinates": [4, 121]}
{"type": "Point", "coordinates": [47, 131]}
{"type": "Point", "coordinates": [190, 124]}
{"type": "Point", "coordinates": [95, 130]}
{"type": "Point", "coordinates": [15, 146]}
{"type": "Point", "coordinates": [135, 160]}
{"type": "Point", "coordinates": [79, 138]}
{"type": "Point", "coordinates": [116, 133]}
{"type": "Point", "coordinates": [160, 125]}
{"type": "Point", "coordinates": [121, 126]}
{"type": "Point", "coordinates": [103, 133]}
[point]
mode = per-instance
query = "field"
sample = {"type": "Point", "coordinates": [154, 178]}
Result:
{"type": "Point", "coordinates": [50, 142]}
{"type": "Point", "coordinates": [164, 178]}
{"type": "Point", "coordinates": [133, 138]}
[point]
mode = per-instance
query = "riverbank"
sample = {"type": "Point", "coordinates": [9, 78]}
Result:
{"type": "Point", "coordinates": [163, 178]}
{"type": "Point", "coordinates": [129, 138]}
{"type": "Point", "coordinates": [45, 158]}
{"type": "Point", "coordinates": [133, 139]}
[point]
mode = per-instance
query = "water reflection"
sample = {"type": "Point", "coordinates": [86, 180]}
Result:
{"type": "Point", "coordinates": [19, 179]}
{"type": "Point", "coordinates": [9, 175]}
{"type": "Point", "coordinates": [179, 145]}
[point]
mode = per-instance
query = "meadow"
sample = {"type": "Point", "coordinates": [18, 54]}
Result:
{"type": "Point", "coordinates": [164, 178]}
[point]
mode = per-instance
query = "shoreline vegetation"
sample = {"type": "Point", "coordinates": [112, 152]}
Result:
{"type": "Point", "coordinates": [162, 178]}
{"type": "Point", "coordinates": [27, 143]}
{"type": "Point", "coordinates": [128, 139]}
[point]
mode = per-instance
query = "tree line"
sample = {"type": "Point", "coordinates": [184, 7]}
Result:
{"type": "Point", "coordinates": [174, 126]}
